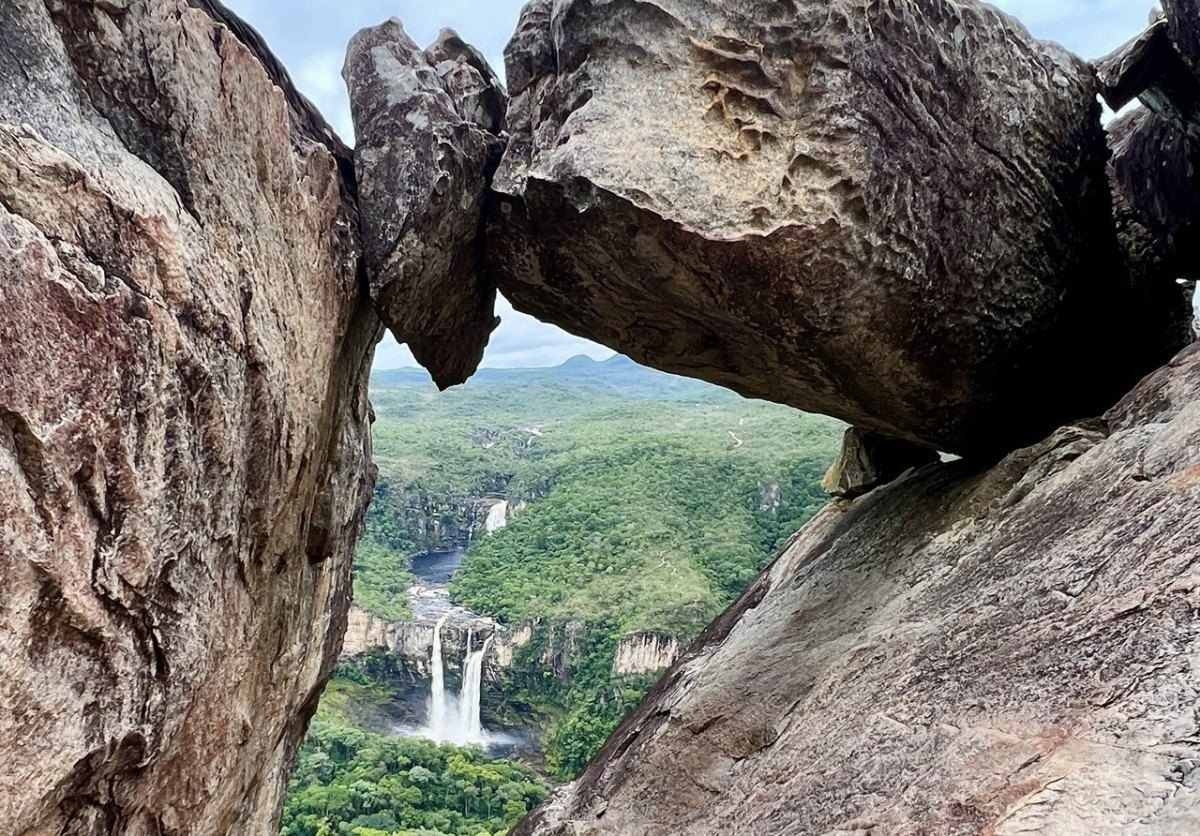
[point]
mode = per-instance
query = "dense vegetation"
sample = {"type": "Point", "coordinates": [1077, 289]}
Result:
{"type": "Point", "coordinates": [644, 503]}
{"type": "Point", "coordinates": [352, 782]}
{"type": "Point", "coordinates": [650, 503]}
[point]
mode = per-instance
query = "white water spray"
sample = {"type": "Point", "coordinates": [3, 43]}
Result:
{"type": "Point", "coordinates": [457, 721]}
{"type": "Point", "coordinates": [439, 707]}
{"type": "Point", "coordinates": [497, 517]}
{"type": "Point", "coordinates": [469, 704]}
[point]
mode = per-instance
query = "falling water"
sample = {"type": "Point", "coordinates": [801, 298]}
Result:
{"type": "Point", "coordinates": [451, 720]}
{"type": "Point", "coordinates": [472, 726]}
{"type": "Point", "coordinates": [497, 517]}
{"type": "Point", "coordinates": [439, 708]}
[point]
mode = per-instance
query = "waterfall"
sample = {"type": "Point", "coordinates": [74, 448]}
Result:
{"type": "Point", "coordinates": [457, 721]}
{"type": "Point", "coordinates": [439, 708]}
{"type": "Point", "coordinates": [472, 689]}
{"type": "Point", "coordinates": [497, 517]}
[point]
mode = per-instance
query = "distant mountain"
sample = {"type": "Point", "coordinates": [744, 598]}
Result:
{"type": "Point", "coordinates": [617, 375]}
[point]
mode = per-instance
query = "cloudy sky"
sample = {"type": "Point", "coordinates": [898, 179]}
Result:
{"type": "Point", "coordinates": [311, 35]}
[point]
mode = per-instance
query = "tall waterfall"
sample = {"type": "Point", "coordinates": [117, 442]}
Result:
{"type": "Point", "coordinates": [497, 517]}
{"type": "Point", "coordinates": [472, 688]}
{"type": "Point", "coordinates": [451, 720]}
{"type": "Point", "coordinates": [439, 707]}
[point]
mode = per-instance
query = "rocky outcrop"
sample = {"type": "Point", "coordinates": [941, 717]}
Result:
{"type": "Point", "coordinates": [366, 633]}
{"type": "Point", "coordinates": [868, 460]}
{"type": "Point", "coordinates": [960, 652]}
{"type": "Point", "coordinates": [821, 205]}
{"type": "Point", "coordinates": [427, 124]}
{"type": "Point", "coordinates": [1154, 175]}
{"type": "Point", "coordinates": [645, 653]}
{"type": "Point", "coordinates": [184, 455]}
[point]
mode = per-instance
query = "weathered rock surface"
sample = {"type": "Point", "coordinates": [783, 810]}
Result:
{"type": "Point", "coordinates": [893, 214]}
{"type": "Point", "coordinates": [643, 653]}
{"type": "Point", "coordinates": [184, 344]}
{"type": "Point", "coordinates": [1184, 18]}
{"type": "Point", "coordinates": [1154, 174]}
{"type": "Point", "coordinates": [1006, 651]}
{"type": "Point", "coordinates": [427, 124]}
{"type": "Point", "coordinates": [868, 460]}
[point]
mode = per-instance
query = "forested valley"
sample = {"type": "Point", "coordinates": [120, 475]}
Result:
{"type": "Point", "coordinates": [602, 514]}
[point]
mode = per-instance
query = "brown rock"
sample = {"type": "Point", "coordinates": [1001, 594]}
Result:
{"type": "Point", "coordinates": [1006, 651]}
{"type": "Point", "coordinates": [426, 150]}
{"type": "Point", "coordinates": [893, 215]}
{"type": "Point", "coordinates": [868, 460]}
{"type": "Point", "coordinates": [184, 345]}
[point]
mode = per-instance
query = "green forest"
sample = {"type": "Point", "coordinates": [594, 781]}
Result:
{"type": "Point", "coordinates": [352, 782]}
{"type": "Point", "coordinates": [642, 502]}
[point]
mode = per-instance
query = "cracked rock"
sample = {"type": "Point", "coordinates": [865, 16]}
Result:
{"type": "Point", "coordinates": [184, 447]}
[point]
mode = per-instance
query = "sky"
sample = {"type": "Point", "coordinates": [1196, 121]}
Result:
{"type": "Point", "coordinates": [310, 37]}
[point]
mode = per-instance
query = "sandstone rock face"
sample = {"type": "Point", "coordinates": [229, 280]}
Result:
{"type": "Point", "coordinates": [643, 653]}
{"type": "Point", "coordinates": [868, 460]}
{"type": "Point", "coordinates": [1006, 651]}
{"type": "Point", "coordinates": [184, 344]}
{"type": "Point", "coordinates": [426, 123]}
{"type": "Point", "coordinates": [894, 214]}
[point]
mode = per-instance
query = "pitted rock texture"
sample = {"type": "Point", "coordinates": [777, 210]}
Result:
{"type": "Point", "coordinates": [184, 449]}
{"type": "Point", "coordinates": [1006, 651]}
{"type": "Point", "coordinates": [893, 213]}
{"type": "Point", "coordinates": [426, 123]}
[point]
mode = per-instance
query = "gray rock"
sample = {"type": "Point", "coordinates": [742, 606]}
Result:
{"type": "Point", "coordinates": [1154, 175]}
{"type": "Point", "coordinates": [426, 122]}
{"type": "Point", "coordinates": [1184, 16]}
{"type": "Point", "coordinates": [961, 652]}
{"type": "Point", "coordinates": [868, 460]}
{"type": "Point", "coordinates": [1150, 67]}
{"type": "Point", "coordinates": [184, 447]}
{"type": "Point", "coordinates": [895, 215]}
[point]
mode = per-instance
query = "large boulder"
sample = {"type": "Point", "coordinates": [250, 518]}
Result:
{"type": "Point", "coordinates": [1154, 174]}
{"type": "Point", "coordinates": [427, 124]}
{"type": "Point", "coordinates": [184, 447]}
{"type": "Point", "coordinates": [1004, 651]}
{"type": "Point", "coordinates": [893, 213]}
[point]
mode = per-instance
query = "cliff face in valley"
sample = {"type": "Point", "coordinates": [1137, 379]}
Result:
{"type": "Point", "coordinates": [645, 653]}
{"type": "Point", "coordinates": [184, 449]}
